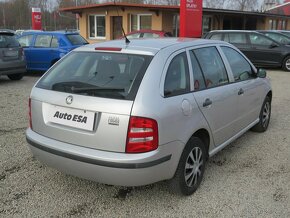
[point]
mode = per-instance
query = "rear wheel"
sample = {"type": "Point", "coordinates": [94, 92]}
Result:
{"type": "Point", "coordinates": [286, 63]}
{"type": "Point", "coordinates": [265, 115]}
{"type": "Point", "coordinates": [190, 170]}
{"type": "Point", "coordinates": [17, 76]}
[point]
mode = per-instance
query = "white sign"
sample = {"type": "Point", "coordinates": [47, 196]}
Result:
{"type": "Point", "coordinates": [80, 119]}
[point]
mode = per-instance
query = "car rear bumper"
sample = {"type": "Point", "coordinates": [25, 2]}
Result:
{"type": "Point", "coordinates": [107, 167]}
{"type": "Point", "coordinates": [16, 68]}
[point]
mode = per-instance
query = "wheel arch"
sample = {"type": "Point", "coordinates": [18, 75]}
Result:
{"type": "Point", "coordinates": [204, 136]}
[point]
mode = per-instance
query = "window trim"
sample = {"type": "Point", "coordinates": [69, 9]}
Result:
{"type": "Point", "coordinates": [164, 73]}
{"type": "Point", "coordinates": [228, 66]}
{"type": "Point", "coordinates": [95, 16]}
{"type": "Point", "coordinates": [138, 21]}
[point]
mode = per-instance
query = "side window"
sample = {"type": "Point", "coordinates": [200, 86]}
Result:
{"type": "Point", "coordinates": [177, 76]}
{"type": "Point", "coordinates": [216, 36]}
{"type": "Point", "coordinates": [43, 41]}
{"type": "Point", "coordinates": [260, 40]}
{"type": "Point", "coordinates": [212, 66]}
{"type": "Point", "coordinates": [54, 42]}
{"type": "Point", "coordinates": [238, 38]}
{"type": "Point", "coordinates": [197, 74]}
{"type": "Point", "coordinates": [240, 67]}
{"type": "Point", "coordinates": [25, 41]}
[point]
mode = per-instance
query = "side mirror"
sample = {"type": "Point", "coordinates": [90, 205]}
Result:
{"type": "Point", "coordinates": [274, 45]}
{"type": "Point", "coordinates": [261, 73]}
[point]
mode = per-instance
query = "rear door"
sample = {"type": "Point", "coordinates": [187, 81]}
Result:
{"type": "Point", "coordinates": [240, 40]}
{"type": "Point", "coordinates": [43, 52]}
{"type": "Point", "coordinates": [26, 42]}
{"type": "Point", "coordinates": [215, 96]}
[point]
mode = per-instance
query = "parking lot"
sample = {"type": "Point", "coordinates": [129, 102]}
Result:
{"type": "Point", "coordinates": [249, 178]}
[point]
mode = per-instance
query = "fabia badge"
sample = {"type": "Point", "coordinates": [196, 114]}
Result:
{"type": "Point", "coordinates": [69, 99]}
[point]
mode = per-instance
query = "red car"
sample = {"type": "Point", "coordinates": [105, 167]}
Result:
{"type": "Point", "coordinates": [148, 34]}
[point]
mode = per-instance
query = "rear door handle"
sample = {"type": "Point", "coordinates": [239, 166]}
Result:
{"type": "Point", "coordinates": [241, 91]}
{"type": "Point", "coordinates": [207, 102]}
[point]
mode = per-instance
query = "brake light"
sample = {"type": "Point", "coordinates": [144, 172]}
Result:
{"type": "Point", "coordinates": [21, 51]}
{"type": "Point", "coordinates": [29, 113]}
{"type": "Point", "coordinates": [107, 49]}
{"type": "Point", "coordinates": [142, 135]}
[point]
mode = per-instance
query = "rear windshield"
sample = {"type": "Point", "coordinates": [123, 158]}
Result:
{"type": "Point", "coordinates": [100, 74]}
{"type": "Point", "coordinates": [76, 39]}
{"type": "Point", "coordinates": [8, 41]}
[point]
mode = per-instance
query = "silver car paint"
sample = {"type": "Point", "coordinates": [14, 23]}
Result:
{"type": "Point", "coordinates": [178, 118]}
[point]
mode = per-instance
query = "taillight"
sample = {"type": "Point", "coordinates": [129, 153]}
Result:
{"type": "Point", "coordinates": [21, 51]}
{"type": "Point", "coordinates": [29, 113]}
{"type": "Point", "coordinates": [142, 135]}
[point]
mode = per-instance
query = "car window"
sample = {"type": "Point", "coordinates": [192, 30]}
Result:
{"type": "Point", "coordinates": [133, 36]}
{"type": "Point", "coordinates": [54, 42]}
{"type": "Point", "coordinates": [238, 38]}
{"type": "Point", "coordinates": [279, 38]}
{"type": "Point", "coordinates": [25, 41]}
{"type": "Point", "coordinates": [216, 36]}
{"type": "Point", "coordinates": [8, 41]}
{"type": "Point", "coordinates": [240, 67]}
{"type": "Point", "coordinates": [150, 35]}
{"type": "Point", "coordinates": [43, 41]}
{"type": "Point", "coordinates": [177, 76]}
{"type": "Point", "coordinates": [256, 39]}
{"type": "Point", "coordinates": [212, 66]}
{"type": "Point", "coordinates": [108, 75]}
{"type": "Point", "coordinates": [199, 83]}
{"type": "Point", "coordinates": [76, 39]}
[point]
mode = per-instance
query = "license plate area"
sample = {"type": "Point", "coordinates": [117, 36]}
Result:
{"type": "Point", "coordinates": [70, 117]}
{"type": "Point", "coordinates": [11, 53]}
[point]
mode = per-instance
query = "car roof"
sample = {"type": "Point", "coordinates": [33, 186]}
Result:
{"type": "Point", "coordinates": [234, 31]}
{"type": "Point", "coordinates": [148, 46]}
{"type": "Point", "coordinates": [49, 32]}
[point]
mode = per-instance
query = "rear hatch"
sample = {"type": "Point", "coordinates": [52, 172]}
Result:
{"type": "Point", "coordinates": [10, 49]}
{"type": "Point", "coordinates": [87, 97]}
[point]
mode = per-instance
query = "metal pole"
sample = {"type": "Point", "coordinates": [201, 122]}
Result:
{"type": "Point", "coordinates": [77, 21]}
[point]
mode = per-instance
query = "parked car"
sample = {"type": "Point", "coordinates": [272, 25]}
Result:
{"type": "Point", "coordinates": [148, 34]}
{"type": "Point", "coordinates": [277, 36]}
{"type": "Point", "coordinates": [12, 60]}
{"type": "Point", "coordinates": [135, 113]}
{"type": "Point", "coordinates": [260, 49]}
{"type": "Point", "coordinates": [42, 49]}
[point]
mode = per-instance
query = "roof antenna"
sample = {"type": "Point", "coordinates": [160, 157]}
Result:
{"type": "Point", "coordinates": [124, 34]}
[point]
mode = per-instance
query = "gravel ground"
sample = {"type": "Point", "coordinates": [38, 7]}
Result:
{"type": "Point", "coordinates": [249, 178]}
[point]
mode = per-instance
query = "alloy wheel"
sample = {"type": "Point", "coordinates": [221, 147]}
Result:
{"type": "Point", "coordinates": [193, 167]}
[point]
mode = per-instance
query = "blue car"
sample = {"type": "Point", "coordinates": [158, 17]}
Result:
{"type": "Point", "coordinates": [42, 49]}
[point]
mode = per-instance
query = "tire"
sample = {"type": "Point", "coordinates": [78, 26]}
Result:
{"type": "Point", "coordinates": [17, 76]}
{"type": "Point", "coordinates": [286, 63]}
{"type": "Point", "coordinates": [265, 115]}
{"type": "Point", "coordinates": [190, 169]}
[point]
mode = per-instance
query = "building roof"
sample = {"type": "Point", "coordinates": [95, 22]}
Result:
{"type": "Point", "coordinates": [283, 9]}
{"type": "Point", "coordinates": [79, 9]}
{"type": "Point", "coordinates": [119, 4]}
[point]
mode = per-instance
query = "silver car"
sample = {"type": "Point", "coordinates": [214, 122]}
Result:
{"type": "Point", "coordinates": [136, 113]}
{"type": "Point", "coordinates": [12, 60]}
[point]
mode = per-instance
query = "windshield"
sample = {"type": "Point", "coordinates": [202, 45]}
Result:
{"type": "Point", "coordinates": [108, 75]}
{"type": "Point", "coordinates": [76, 39]}
{"type": "Point", "coordinates": [8, 41]}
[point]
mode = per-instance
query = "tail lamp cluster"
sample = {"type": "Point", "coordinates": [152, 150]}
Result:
{"type": "Point", "coordinates": [142, 135]}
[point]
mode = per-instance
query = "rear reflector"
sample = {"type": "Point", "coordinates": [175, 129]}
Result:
{"type": "Point", "coordinates": [107, 49]}
{"type": "Point", "coordinates": [142, 135]}
{"type": "Point", "coordinates": [29, 113]}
